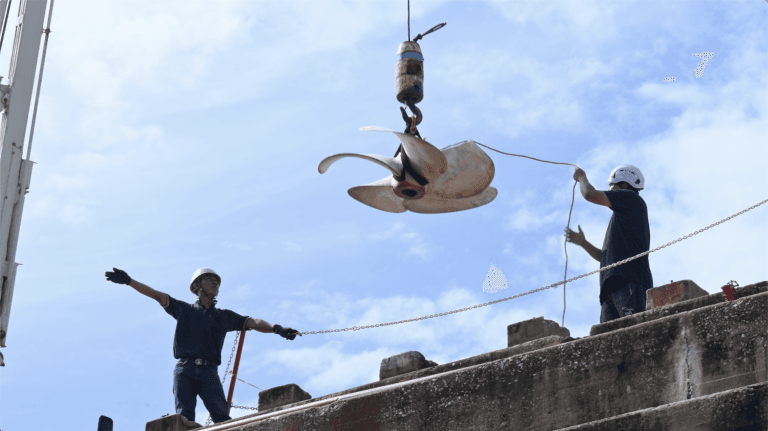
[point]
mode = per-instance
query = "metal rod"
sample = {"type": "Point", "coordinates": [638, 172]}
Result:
{"type": "Point", "coordinates": [47, 32]}
{"type": "Point", "coordinates": [234, 369]}
{"type": "Point", "coordinates": [5, 24]}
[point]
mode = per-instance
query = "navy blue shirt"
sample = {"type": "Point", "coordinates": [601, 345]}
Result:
{"type": "Point", "coordinates": [200, 333]}
{"type": "Point", "coordinates": [628, 234]}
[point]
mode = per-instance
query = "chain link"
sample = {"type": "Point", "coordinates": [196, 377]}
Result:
{"type": "Point", "coordinates": [244, 408]}
{"type": "Point", "coordinates": [415, 319]}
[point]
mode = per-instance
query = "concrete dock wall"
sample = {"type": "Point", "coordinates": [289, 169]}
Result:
{"type": "Point", "coordinates": [674, 358]}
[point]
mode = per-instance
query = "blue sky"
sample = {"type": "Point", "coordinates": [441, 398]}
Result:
{"type": "Point", "coordinates": [176, 135]}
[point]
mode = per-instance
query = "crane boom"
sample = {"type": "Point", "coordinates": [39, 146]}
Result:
{"type": "Point", "coordinates": [15, 173]}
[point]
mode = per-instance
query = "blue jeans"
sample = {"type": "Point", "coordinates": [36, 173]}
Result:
{"type": "Point", "coordinates": [191, 380]}
{"type": "Point", "coordinates": [624, 299]}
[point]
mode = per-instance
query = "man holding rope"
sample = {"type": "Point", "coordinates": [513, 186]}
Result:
{"type": "Point", "coordinates": [622, 289]}
{"type": "Point", "coordinates": [199, 338]}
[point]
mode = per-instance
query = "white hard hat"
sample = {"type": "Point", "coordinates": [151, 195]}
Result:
{"type": "Point", "coordinates": [199, 273]}
{"type": "Point", "coordinates": [629, 174]}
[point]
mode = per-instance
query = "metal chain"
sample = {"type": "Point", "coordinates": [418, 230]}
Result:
{"type": "Point", "coordinates": [357, 328]}
{"type": "Point", "coordinates": [244, 408]}
{"type": "Point", "coordinates": [237, 334]}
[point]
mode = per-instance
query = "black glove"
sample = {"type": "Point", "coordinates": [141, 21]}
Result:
{"type": "Point", "coordinates": [119, 276]}
{"type": "Point", "coordinates": [287, 333]}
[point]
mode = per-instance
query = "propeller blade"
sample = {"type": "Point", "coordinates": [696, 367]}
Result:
{"type": "Point", "coordinates": [431, 204]}
{"type": "Point", "coordinates": [394, 165]}
{"type": "Point", "coordinates": [425, 158]}
{"type": "Point", "coordinates": [379, 195]}
{"type": "Point", "coordinates": [375, 129]}
{"type": "Point", "coordinates": [469, 172]}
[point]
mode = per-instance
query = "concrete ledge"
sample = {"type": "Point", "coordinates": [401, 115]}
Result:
{"type": "Point", "coordinates": [671, 359]}
{"type": "Point", "coordinates": [743, 409]}
{"type": "Point", "coordinates": [680, 307]}
{"type": "Point", "coordinates": [443, 368]}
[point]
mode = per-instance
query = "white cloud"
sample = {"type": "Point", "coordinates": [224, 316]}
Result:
{"type": "Point", "coordinates": [347, 359]}
{"type": "Point", "coordinates": [65, 183]}
{"type": "Point", "coordinates": [399, 232]}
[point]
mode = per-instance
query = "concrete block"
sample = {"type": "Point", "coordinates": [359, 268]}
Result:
{"type": "Point", "coordinates": [403, 363]}
{"type": "Point", "coordinates": [533, 329]}
{"type": "Point", "coordinates": [175, 422]}
{"type": "Point", "coordinates": [677, 291]}
{"type": "Point", "coordinates": [281, 395]}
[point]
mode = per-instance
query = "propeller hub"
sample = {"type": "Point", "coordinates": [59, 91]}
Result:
{"type": "Point", "coordinates": [409, 190]}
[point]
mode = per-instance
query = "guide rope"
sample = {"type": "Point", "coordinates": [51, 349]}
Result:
{"type": "Point", "coordinates": [567, 226]}
{"type": "Point", "coordinates": [357, 328]}
{"type": "Point", "coordinates": [565, 247]}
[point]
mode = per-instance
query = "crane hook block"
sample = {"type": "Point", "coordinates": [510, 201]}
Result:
{"type": "Point", "coordinates": [409, 73]}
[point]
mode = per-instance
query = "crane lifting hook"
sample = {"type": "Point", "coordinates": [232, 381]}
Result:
{"type": "Point", "coordinates": [412, 121]}
{"type": "Point", "coordinates": [409, 80]}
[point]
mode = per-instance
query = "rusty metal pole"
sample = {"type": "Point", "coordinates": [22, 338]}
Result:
{"type": "Point", "coordinates": [234, 369]}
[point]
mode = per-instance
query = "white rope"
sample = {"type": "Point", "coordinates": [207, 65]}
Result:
{"type": "Point", "coordinates": [357, 328]}
{"type": "Point", "coordinates": [565, 248]}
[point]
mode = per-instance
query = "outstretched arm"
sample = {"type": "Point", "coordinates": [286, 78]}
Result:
{"type": "Point", "coordinates": [259, 325]}
{"type": "Point", "coordinates": [580, 239]}
{"type": "Point", "coordinates": [121, 277]}
{"type": "Point", "coordinates": [588, 191]}
{"type": "Point", "coordinates": [266, 327]}
{"type": "Point", "coordinates": [142, 288]}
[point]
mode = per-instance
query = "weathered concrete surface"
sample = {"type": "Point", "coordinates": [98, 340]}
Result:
{"type": "Point", "coordinates": [677, 291]}
{"type": "Point", "coordinates": [175, 422]}
{"type": "Point", "coordinates": [671, 359]}
{"type": "Point", "coordinates": [743, 409]}
{"type": "Point", "coordinates": [402, 364]}
{"type": "Point", "coordinates": [281, 395]}
{"type": "Point", "coordinates": [439, 369]}
{"type": "Point", "coordinates": [533, 329]}
{"type": "Point", "coordinates": [680, 307]}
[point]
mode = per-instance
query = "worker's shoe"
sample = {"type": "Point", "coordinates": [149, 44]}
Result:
{"type": "Point", "coordinates": [190, 424]}
{"type": "Point", "coordinates": [624, 312]}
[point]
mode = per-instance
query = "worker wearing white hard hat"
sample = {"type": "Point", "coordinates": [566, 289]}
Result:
{"type": "Point", "coordinates": [622, 288]}
{"type": "Point", "coordinates": [200, 331]}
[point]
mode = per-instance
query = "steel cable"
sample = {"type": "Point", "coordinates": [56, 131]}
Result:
{"type": "Point", "coordinates": [357, 328]}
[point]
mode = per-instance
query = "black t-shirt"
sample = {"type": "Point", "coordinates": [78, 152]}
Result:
{"type": "Point", "coordinates": [628, 234]}
{"type": "Point", "coordinates": [200, 333]}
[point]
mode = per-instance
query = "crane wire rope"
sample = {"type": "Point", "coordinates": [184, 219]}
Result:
{"type": "Point", "coordinates": [47, 32]}
{"type": "Point", "coordinates": [622, 262]}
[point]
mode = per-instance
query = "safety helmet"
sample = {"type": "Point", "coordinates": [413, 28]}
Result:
{"type": "Point", "coordinates": [199, 273]}
{"type": "Point", "coordinates": [629, 174]}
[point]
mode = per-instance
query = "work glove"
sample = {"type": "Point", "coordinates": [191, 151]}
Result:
{"type": "Point", "coordinates": [287, 333]}
{"type": "Point", "coordinates": [119, 276]}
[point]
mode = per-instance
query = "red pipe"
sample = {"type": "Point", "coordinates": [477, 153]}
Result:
{"type": "Point", "coordinates": [728, 292]}
{"type": "Point", "coordinates": [234, 369]}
